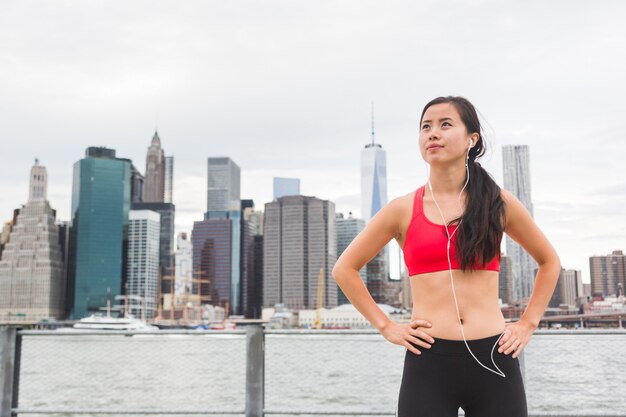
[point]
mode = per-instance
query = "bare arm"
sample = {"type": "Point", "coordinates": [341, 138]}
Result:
{"type": "Point", "coordinates": [383, 227]}
{"type": "Point", "coordinates": [521, 228]}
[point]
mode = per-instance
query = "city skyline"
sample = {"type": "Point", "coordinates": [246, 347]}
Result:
{"type": "Point", "coordinates": [184, 228]}
{"type": "Point", "coordinates": [223, 81]}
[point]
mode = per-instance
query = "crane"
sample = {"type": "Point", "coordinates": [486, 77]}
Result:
{"type": "Point", "coordinates": [320, 300]}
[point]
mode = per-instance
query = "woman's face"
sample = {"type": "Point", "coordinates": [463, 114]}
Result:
{"type": "Point", "coordinates": [443, 136]}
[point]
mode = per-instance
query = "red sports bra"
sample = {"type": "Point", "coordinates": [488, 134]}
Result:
{"type": "Point", "coordinates": [425, 243]}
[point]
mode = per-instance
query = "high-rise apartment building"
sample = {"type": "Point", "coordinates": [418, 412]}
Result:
{"type": "Point", "coordinates": [299, 241]}
{"type": "Point", "coordinates": [31, 270]}
{"type": "Point", "coordinates": [568, 290]}
{"type": "Point", "coordinates": [607, 272]}
{"type": "Point", "coordinates": [100, 206]}
{"type": "Point", "coordinates": [142, 279]}
{"type": "Point", "coordinates": [516, 169]}
{"type": "Point", "coordinates": [167, 215]}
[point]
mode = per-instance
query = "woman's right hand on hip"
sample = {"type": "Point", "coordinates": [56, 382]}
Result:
{"type": "Point", "coordinates": [402, 334]}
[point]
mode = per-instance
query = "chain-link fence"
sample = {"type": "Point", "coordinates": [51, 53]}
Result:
{"type": "Point", "coordinates": [117, 372]}
{"type": "Point", "coordinates": [284, 372]}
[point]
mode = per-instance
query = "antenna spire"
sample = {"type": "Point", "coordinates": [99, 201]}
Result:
{"type": "Point", "coordinates": [373, 123]}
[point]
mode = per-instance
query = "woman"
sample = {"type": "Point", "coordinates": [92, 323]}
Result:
{"type": "Point", "coordinates": [456, 319]}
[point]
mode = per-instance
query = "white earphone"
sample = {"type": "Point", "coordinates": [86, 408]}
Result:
{"type": "Point", "coordinates": [450, 264]}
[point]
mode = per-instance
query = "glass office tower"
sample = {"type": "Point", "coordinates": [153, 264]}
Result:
{"type": "Point", "coordinates": [100, 205]}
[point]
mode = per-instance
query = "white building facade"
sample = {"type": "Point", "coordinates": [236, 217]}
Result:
{"type": "Point", "coordinates": [142, 282]}
{"type": "Point", "coordinates": [345, 315]}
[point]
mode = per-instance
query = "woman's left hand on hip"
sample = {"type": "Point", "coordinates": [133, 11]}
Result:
{"type": "Point", "coordinates": [516, 337]}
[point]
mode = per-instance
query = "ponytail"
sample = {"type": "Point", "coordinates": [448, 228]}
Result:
{"type": "Point", "coordinates": [480, 232]}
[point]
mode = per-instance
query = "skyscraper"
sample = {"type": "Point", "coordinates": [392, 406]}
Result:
{"type": "Point", "coordinates": [373, 178]}
{"type": "Point", "coordinates": [136, 185]}
{"type": "Point", "coordinates": [169, 180]}
{"type": "Point", "coordinates": [253, 249]}
{"type": "Point", "coordinates": [167, 215]}
{"type": "Point", "coordinates": [568, 290]}
{"type": "Point", "coordinates": [505, 280]}
{"type": "Point", "coordinates": [4, 237]}
{"type": "Point", "coordinates": [516, 168]}
{"type": "Point", "coordinates": [221, 230]}
{"type": "Point", "coordinates": [223, 185]}
{"type": "Point", "coordinates": [249, 301]}
{"type": "Point", "coordinates": [607, 273]}
{"type": "Point", "coordinates": [347, 229]}
{"type": "Point", "coordinates": [143, 262]}
{"type": "Point", "coordinates": [255, 217]}
{"type": "Point", "coordinates": [255, 289]}
{"type": "Point", "coordinates": [373, 198]}
{"type": "Point", "coordinates": [299, 241]}
{"type": "Point", "coordinates": [158, 197]}
{"type": "Point", "coordinates": [211, 241]}
{"type": "Point", "coordinates": [100, 205]}
{"type": "Point", "coordinates": [154, 183]}
{"type": "Point", "coordinates": [31, 269]}
{"type": "Point", "coordinates": [184, 264]}
{"type": "Point", "coordinates": [286, 186]}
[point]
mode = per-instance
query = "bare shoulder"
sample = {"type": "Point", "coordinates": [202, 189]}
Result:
{"type": "Point", "coordinates": [405, 201]}
{"type": "Point", "coordinates": [396, 214]}
{"type": "Point", "coordinates": [506, 194]}
{"type": "Point", "coordinates": [404, 210]}
{"type": "Point", "coordinates": [403, 205]}
{"type": "Point", "coordinates": [379, 230]}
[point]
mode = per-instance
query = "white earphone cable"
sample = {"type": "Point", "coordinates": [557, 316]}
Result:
{"type": "Point", "coordinates": [450, 264]}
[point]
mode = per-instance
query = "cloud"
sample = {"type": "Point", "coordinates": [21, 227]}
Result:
{"type": "Point", "coordinates": [284, 88]}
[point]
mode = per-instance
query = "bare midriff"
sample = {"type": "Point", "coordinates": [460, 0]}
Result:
{"type": "Point", "coordinates": [477, 298]}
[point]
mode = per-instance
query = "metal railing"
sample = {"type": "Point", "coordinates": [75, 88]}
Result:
{"type": "Point", "coordinates": [32, 364]}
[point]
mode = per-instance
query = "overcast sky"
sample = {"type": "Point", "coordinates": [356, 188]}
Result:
{"type": "Point", "coordinates": [284, 88]}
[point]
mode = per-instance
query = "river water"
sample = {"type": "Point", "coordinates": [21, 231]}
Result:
{"type": "Point", "coordinates": [578, 373]}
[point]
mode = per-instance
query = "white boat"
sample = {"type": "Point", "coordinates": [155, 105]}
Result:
{"type": "Point", "coordinates": [98, 322]}
{"type": "Point", "coordinates": [108, 322]}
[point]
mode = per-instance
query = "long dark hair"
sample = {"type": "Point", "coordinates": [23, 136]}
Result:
{"type": "Point", "coordinates": [480, 233]}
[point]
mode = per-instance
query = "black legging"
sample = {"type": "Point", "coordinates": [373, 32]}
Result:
{"type": "Point", "coordinates": [446, 377]}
